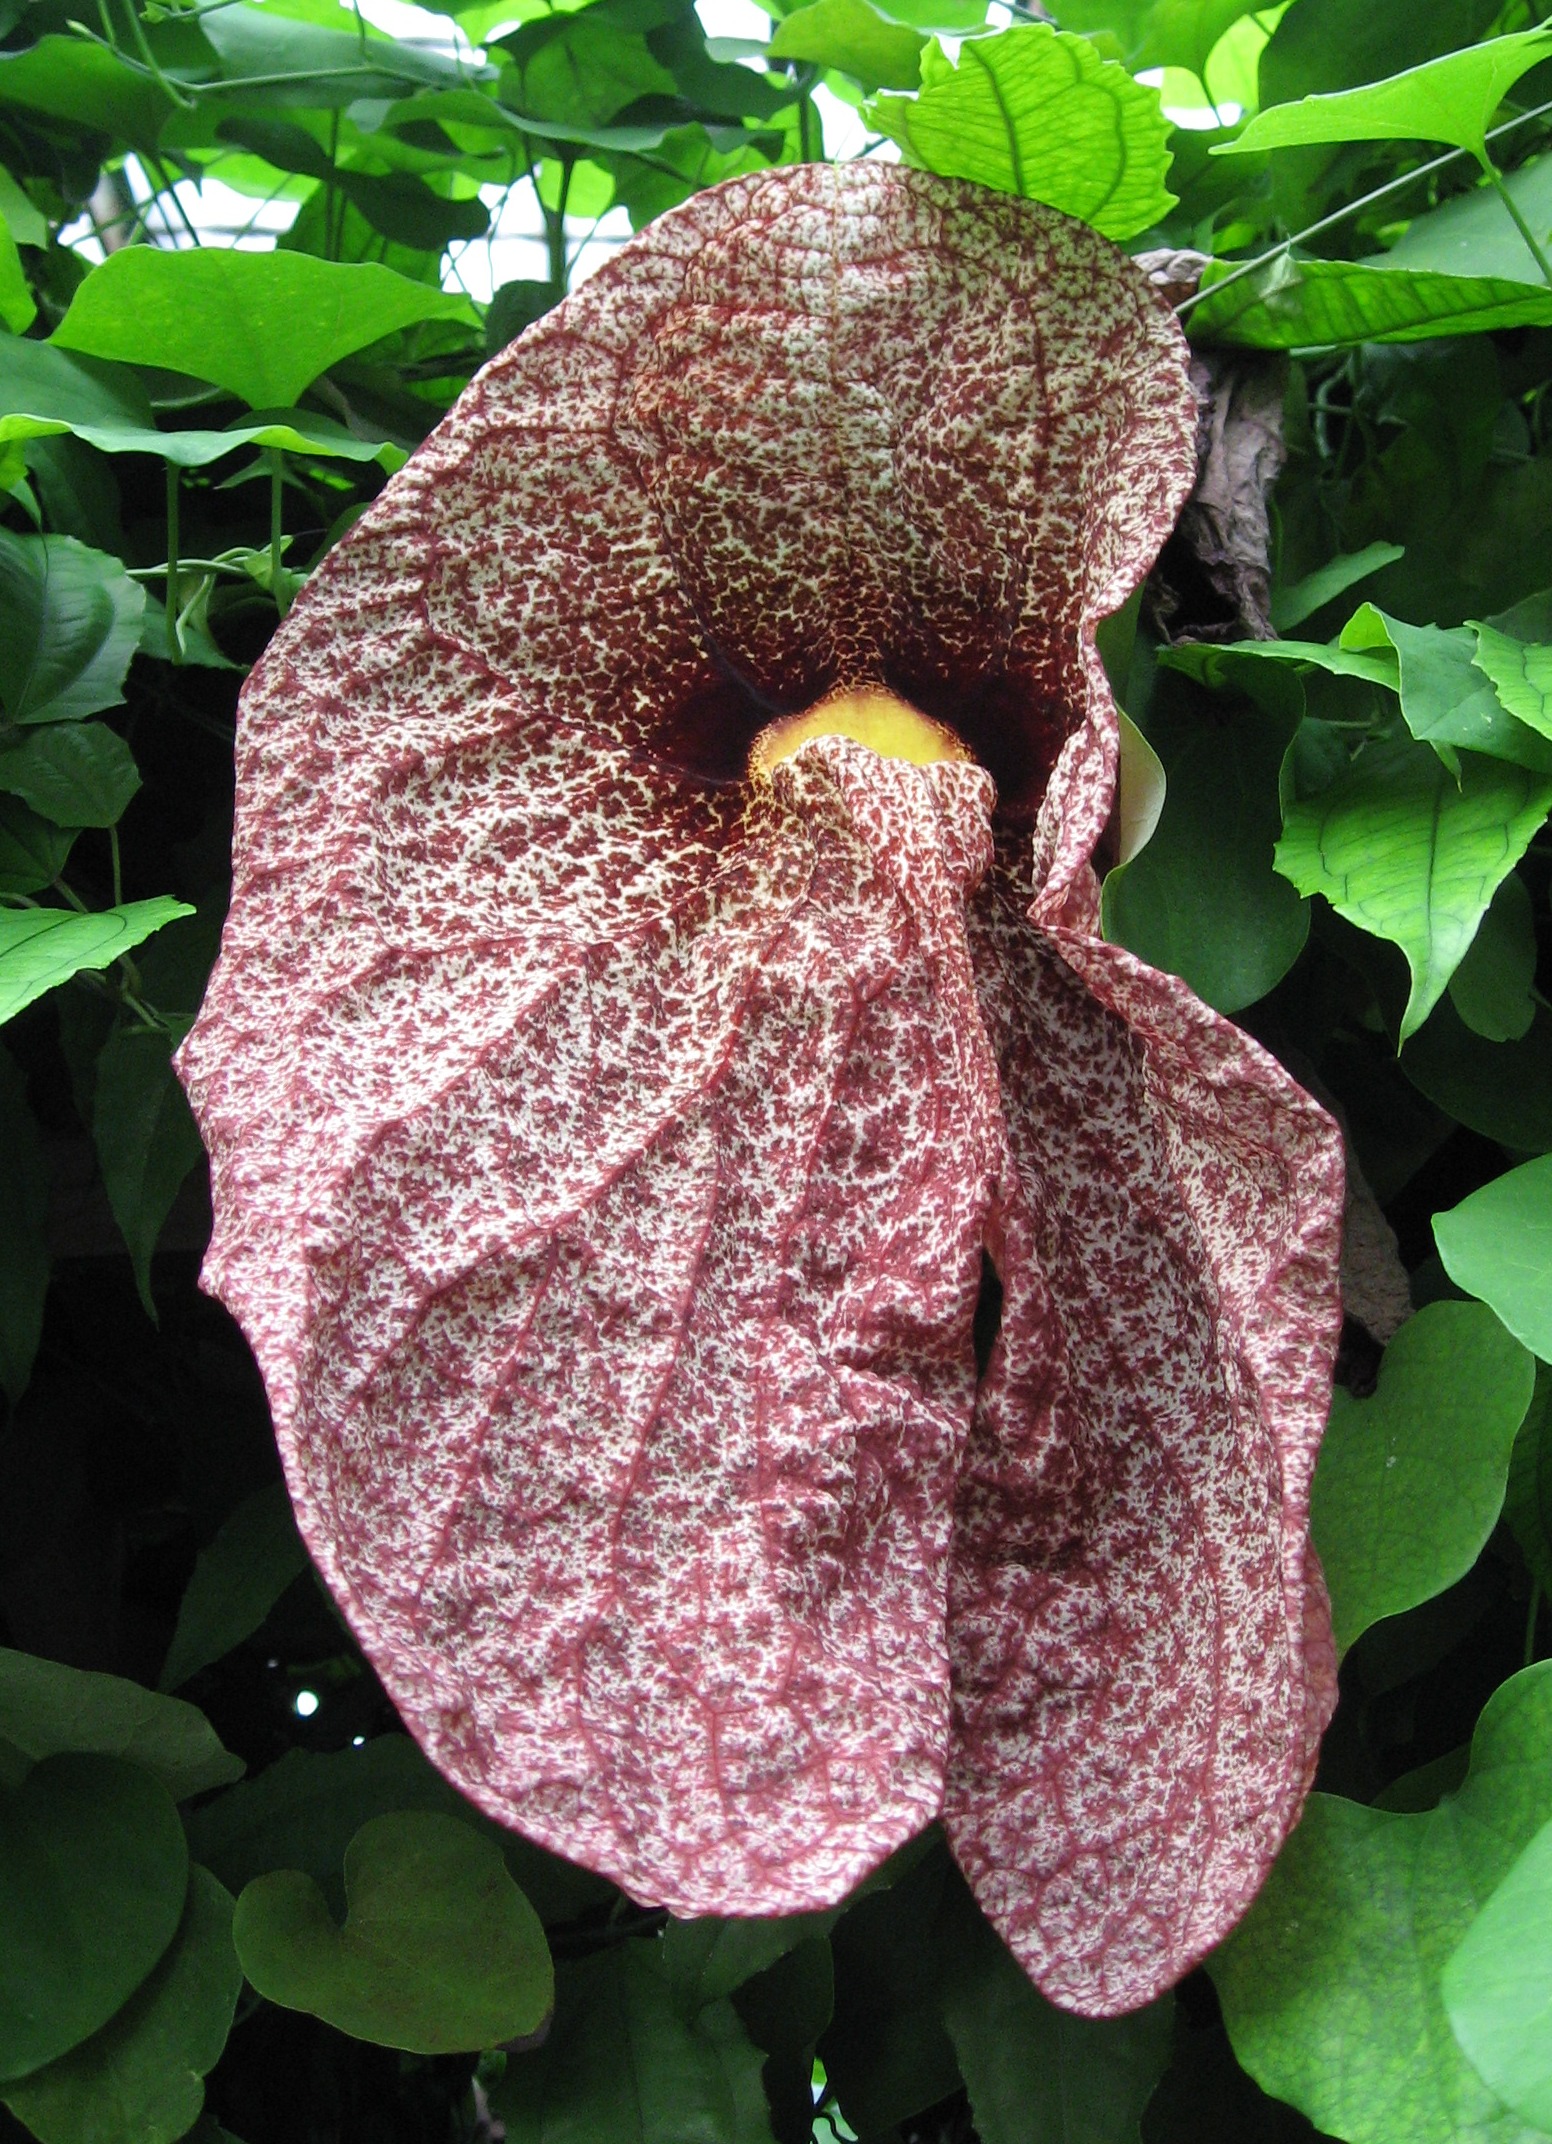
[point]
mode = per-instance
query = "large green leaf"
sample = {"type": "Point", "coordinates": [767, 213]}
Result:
{"type": "Point", "coordinates": [76, 775]}
{"type": "Point", "coordinates": [1497, 1987]}
{"type": "Point", "coordinates": [141, 2078]}
{"type": "Point", "coordinates": [85, 84]}
{"type": "Point", "coordinates": [24, 1220]}
{"type": "Point", "coordinates": [33, 851]}
{"type": "Point", "coordinates": [624, 2065]}
{"type": "Point", "coordinates": [261, 325]}
{"type": "Point", "coordinates": [1036, 2074]}
{"type": "Point", "coordinates": [93, 1874]}
{"type": "Point", "coordinates": [18, 307]}
{"type": "Point", "coordinates": [1330, 1987]}
{"type": "Point", "coordinates": [1497, 1244]}
{"type": "Point", "coordinates": [1036, 112]}
{"type": "Point", "coordinates": [1294, 304]}
{"type": "Point", "coordinates": [1450, 99]}
{"type": "Point", "coordinates": [851, 35]}
{"type": "Point", "coordinates": [440, 1950]}
{"type": "Point", "coordinates": [69, 623]}
{"type": "Point", "coordinates": [1202, 898]}
{"type": "Point", "coordinates": [43, 947]}
{"type": "Point", "coordinates": [237, 1581]}
{"type": "Point", "coordinates": [1410, 1481]}
{"type": "Point", "coordinates": [887, 2051]}
{"type": "Point", "coordinates": [1406, 854]}
{"type": "Point", "coordinates": [146, 1140]}
{"type": "Point", "coordinates": [47, 1708]}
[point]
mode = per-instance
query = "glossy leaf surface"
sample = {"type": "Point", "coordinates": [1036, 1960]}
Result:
{"type": "Point", "coordinates": [1497, 1244]}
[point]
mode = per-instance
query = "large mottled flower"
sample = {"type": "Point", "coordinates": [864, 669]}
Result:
{"type": "Point", "coordinates": [778, 1332]}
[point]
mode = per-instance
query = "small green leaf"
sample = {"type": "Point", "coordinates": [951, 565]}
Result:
{"type": "Point", "coordinates": [236, 1582]}
{"type": "Point", "coordinates": [1497, 1986]}
{"type": "Point", "coordinates": [705, 1959]}
{"type": "Point", "coordinates": [46, 1708]}
{"type": "Point", "coordinates": [440, 1950]}
{"type": "Point", "coordinates": [1450, 99]}
{"type": "Point", "coordinates": [1037, 112]}
{"type": "Point", "coordinates": [24, 1219]}
{"type": "Point", "coordinates": [1036, 2074]}
{"type": "Point", "coordinates": [1501, 1089]}
{"type": "Point", "coordinates": [1330, 1987]}
{"type": "Point", "coordinates": [1445, 698]}
{"type": "Point", "coordinates": [1410, 1482]}
{"type": "Point", "coordinates": [1521, 675]}
{"type": "Point", "coordinates": [75, 774]}
{"type": "Point", "coordinates": [69, 623]}
{"type": "Point", "coordinates": [516, 306]}
{"type": "Point", "coordinates": [33, 851]}
{"type": "Point", "coordinates": [43, 947]}
{"type": "Point", "coordinates": [1294, 304]}
{"type": "Point", "coordinates": [146, 1139]}
{"type": "Point", "coordinates": [261, 325]}
{"type": "Point", "coordinates": [623, 2065]}
{"type": "Point", "coordinates": [1497, 1245]}
{"type": "Point", "coordinates": [1492, 987]}
{"type": "Point", "coordinates": [141, 2077]}
{"type": "Point", "coordinates": [1406, 854]}
{"type": "Point", "coordinates": [1291, 606]}
{"type": "Point", "coordinates": [304, 1810]}
{"type": "Point", "coordinates": [93, 1874]}
{"type": "Point", "coordinates": [855, 37]}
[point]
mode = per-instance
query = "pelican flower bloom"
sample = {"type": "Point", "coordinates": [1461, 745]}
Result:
{"type": "Point", "coordinates": [663, 1002]}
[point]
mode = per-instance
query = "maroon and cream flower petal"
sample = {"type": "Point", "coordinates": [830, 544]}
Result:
{"type": "Point", "coordinates": [607, 1143]}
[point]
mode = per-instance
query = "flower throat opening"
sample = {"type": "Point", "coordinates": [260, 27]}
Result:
{"type": "Point", "coordinates": [870, 715]}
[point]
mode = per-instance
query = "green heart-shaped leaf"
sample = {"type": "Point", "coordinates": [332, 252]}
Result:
{"type": "Point", "coordinates": [94, 1868]}
{"type": "Point", "coordinates": [440, 1951]}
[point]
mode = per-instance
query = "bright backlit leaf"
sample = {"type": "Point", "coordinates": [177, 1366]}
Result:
{"type": "Point", "coordinates": [1330, 1988]}
{"type": "Point", "coordinates": [440, 1950]}
{"type": "Point", "coordinates": [855, 37]}
{"type": "Point", "coordinates": [1406, 854]}
{"type": "Point", "coordinates": [1410, 1481]}
{"type": "Point", "coordinates": [1294, 304]}
{"type": "Point", "coordinates": [1497, 1987]}
{"type": "Point", "coordinates": [1497, 1244]}
{"type": "Point", "coordinates": [42, 947]}
{"type": "Point", "coordinates": [94, 1870]}
{"type": "Point", "coordinates": [1036, 112]}
{"type": "Point", "coordinates": [69, 623]}
{"type": "Point", "coordinates": [46, 1708]}
{"type": "Point", "coordinates": [261, 325]}
{"type": "Point", "coordinates": [1450, 99]}
{"type": "Point", "coordinates": [236, 1582]}
{"type": "Point", "coordinates": [142, 2075]}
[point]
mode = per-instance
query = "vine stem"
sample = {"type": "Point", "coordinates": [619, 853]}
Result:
{"type": "Point", "coordinates": [276, 458]}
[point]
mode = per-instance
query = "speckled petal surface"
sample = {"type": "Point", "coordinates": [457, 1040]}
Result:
{"type": "Point", "coordinates": [605, 1145]}
{"type": "Point", "coordinates": [1142, 1654]}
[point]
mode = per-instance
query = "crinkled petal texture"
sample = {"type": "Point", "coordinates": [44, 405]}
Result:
{"type": "Point", "coordinates": [608, 1147]}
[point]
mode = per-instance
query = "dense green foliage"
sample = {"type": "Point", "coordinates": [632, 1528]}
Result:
{"type": "Point", "coordinates": [235, 1902]}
